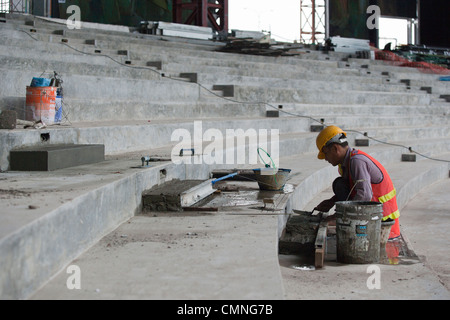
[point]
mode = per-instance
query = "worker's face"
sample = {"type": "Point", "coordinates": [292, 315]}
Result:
{"type": "Point", "coordinates": [332, 154]}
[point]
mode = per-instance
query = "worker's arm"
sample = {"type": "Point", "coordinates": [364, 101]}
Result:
{"type": "Point", "coordinates": [363, 172]}
{"type": "Point", "coordinates": [326, 205]}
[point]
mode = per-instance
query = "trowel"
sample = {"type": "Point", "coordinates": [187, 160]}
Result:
{"type": "Point", "coordinates": [307, 213]}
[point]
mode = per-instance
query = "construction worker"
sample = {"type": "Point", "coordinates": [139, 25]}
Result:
{"type": "Point", "coordinates": [361, 176]}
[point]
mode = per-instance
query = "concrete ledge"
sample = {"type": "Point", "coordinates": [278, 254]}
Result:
{"type": "Point", "coordinates": [53, 157]}
{"type": "Point", "coordinates": [36, 251]}
{"type": "Point", "coordinates": [140, 135]}
{"type": "Point", "coordinates": [248, 93]}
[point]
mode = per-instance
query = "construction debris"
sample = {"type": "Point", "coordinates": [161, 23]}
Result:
{"type": "Point", "coordinates": [300, 234]}
{"type": "Point", "coordinates": [31, 124]}
{"type": "Point", "coordinates": [255, 47]}
{"type": "Point", "coordinates": [175, 195]}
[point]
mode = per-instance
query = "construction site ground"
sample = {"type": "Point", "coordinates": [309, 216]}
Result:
{"type": "Point", "coordinates": [232, 254]}
{"type": "Point", "coordinates": [79, 232]}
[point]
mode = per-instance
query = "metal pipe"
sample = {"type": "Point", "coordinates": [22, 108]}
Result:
{"type": "Point", "coordinates": [225, 177]}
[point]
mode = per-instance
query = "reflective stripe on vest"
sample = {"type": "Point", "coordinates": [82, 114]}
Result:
{"type": "Point", "coordinates": [394, 215]}
{"type": "Point", "coordinates": [391, 195]}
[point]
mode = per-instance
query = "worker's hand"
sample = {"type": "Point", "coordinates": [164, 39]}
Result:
{"type": "Point", "coordinates": [325, 205]}
{"type": "Point", "coordinates": [331, 219]}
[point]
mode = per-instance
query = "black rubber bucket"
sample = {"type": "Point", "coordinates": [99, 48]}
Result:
{"type": "Point", "coordinates": [358, 229]}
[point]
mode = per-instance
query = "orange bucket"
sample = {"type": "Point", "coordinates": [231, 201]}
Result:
{"type": "Point", "coordinates": [41, 104]}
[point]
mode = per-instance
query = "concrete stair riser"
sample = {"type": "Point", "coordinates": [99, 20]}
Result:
{"type": "Point", "coordinates": [127, 138]}
{"type": "Point", "coordinates": [355, 65]}
{"type": "Point", "coordinates": [54, 52]}
{"type": "Point", "coordinates": [331, 97]}
{"type": "Point", "coordinates": [69, 67]}
{"type": "Point", "coordinates": [347, 83]}
{"type": "Point", "coordinates": [260, 70]}
{"type": "Point", "coordinates": [362, 121]}
{"type": "Point", "coordinates": [323, 110]}
{"type": "Point", "coordinates": [393, 86]}
{"type": "Point", "coordinates": [92, 111]}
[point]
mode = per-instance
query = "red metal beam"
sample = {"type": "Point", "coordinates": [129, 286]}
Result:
{"type": "Point", "coordinates": [204, 13]}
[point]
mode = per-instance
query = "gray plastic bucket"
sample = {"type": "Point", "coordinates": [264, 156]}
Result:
{"type": "Point", "coordinates": [268, 180]}
{"type": "Point", "coordinates": [358, 229]}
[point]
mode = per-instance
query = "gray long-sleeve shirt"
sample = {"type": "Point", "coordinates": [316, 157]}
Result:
{"type": "Point", "coordinates": [364, 173]}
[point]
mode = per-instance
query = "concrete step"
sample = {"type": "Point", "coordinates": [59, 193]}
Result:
{"type": "Point", "coordinates": [296, 60]}
{"type": "Point", "coordinates": [332, 110]}
{"type": "Point", "coordinates": [281, 96]}
{"type": "Point", "coordinates": [116, 91]}
{"type": "Point", "coordinates": [437, 87]}
{"type": "Point", "coordinates": [388, 134]}
{"type": "Point", "coordinates": [144, 52]}
{"type": "Point", "coordinates": [54, 157]}
{"type": "Point", "coordinates": [68, 66]}
{"type": "Point", "coordinates": [396, 72]}
{"type": "Point", "coordinates": [134, 91]}
{"type": "Point", "coordinates": [310, 81]}
{"type": "Point", "coordinates": [261, 70]}
{"type": "Point", "coordinates": [128, 136]}
{"type": "Point", "coordinates": [53, 51]}
{"type": "Point", "coordinates": [81, 110]}
{"type": "Point", "coordinates": [374, 87]}
{"type": "Point", "coordinates": [68, 211]}
{"type": "Point", "coordinates": [309, 176]}
{"type": "Point", "coordinates": [369, 122]}
{"type": "Point", "coordinates": [84, 110]}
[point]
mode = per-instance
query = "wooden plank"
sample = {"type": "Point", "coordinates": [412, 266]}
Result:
{"type": "Point", "coordinates": [320, 245]}
{"type": "Point", "coordinates": [319, 258]}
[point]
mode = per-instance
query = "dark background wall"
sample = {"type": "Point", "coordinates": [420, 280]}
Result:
{"type": "Point", "coordinates": [435, 23]}
{"type": "Point", "coordinates": [348, 18]}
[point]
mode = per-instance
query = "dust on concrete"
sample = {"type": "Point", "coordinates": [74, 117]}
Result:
{"type": "Point", "coordinates": [14, 194]}
{"type": "Point", "coordinates": [117, 239]}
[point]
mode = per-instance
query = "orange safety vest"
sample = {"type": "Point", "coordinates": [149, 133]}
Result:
{"type": "Point", "coordinates": [383, 192]}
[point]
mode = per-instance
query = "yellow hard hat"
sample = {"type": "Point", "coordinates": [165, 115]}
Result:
{"type": "Point", "coordinates": [329, 135]}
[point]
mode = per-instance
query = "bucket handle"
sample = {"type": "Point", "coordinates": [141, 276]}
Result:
{"type": "Point", "coordinates": [265, 164]}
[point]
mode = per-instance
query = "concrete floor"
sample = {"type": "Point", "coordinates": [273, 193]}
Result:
{"type": "Point", "coordinates": [424, 222]}
{"type": "Point", "coordinates": [200, 257]}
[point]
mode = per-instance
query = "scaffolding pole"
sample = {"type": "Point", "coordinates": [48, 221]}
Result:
{"type": "Point", "coordinates": [313, 21]}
